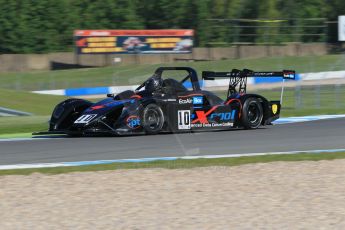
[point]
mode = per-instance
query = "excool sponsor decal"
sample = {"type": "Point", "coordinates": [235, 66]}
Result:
{"type": "Point", "coordinates": [224, 116]}
{"type": "Point", "coordinates": [203, 117]}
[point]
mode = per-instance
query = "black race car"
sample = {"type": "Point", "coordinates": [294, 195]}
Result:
{"type": "Point", "coordinates": [165, 105]}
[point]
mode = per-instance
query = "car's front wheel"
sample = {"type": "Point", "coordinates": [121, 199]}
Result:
{"type": "Point", "coordinates": [152, 119]}
{"type": "Point", "coordinates": [252, 113]}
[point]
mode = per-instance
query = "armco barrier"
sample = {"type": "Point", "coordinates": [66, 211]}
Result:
{"type": "Point", "coordinates": [4, 112]}
{"type": "Point", "coordinates": [204, 84]}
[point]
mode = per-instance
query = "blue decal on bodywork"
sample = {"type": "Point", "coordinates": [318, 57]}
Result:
{"type": "Point", "coordinates": [133, 122]}
{"type": "Point", "coordinates": [198, 100]}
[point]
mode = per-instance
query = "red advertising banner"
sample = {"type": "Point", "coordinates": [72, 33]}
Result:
{"type": "Point", "coordinates": [133, 41]}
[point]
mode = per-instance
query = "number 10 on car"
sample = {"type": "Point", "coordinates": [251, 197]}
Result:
{"type": "Point", "coordinates": [183, 119]}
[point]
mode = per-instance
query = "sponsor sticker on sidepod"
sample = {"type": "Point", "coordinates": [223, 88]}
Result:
{"type": "Point", "coordinates": [185, 101]}
{"type": "Point", "coordinates": [198, 101]}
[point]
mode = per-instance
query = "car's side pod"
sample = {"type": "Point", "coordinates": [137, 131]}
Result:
{"type": "Point", "coordinates": [66, 112]}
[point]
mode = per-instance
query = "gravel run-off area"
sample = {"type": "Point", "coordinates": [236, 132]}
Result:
{"type": "Point", "coordinates": [280, 195]}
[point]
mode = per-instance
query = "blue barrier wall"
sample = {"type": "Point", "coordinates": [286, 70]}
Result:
{"type": "Point", "coordinates": [86, 91]}
{"type": "Point", "coordinates": [263, 80]}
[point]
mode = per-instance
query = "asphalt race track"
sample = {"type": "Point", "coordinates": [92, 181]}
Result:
{"type": "Point", "coordinates": [322, 134]}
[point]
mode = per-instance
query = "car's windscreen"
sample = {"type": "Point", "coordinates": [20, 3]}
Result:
{"type": "Point", "coordinates": [178, 75]}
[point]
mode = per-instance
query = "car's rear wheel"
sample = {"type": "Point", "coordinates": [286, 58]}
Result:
{"type": "Point", "coordinates": [252, 113]}
{"type": "Point", "coordinates": [152, 119]}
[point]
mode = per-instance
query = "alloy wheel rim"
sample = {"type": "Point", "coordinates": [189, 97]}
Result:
{"type": "Point", "coordinates": [253, 113]}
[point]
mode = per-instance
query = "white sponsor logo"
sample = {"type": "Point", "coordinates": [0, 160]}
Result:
{"type": "Point", "coordinates": [197, 100]}
{"type": "Point", "coordinates": [185, 101]}
{"type": "Point", "coordinates": [85, 118]}
{"type": "Point", "coordinates": [210, 125]}
{"type": "Point", "coordinates": [183, 119]}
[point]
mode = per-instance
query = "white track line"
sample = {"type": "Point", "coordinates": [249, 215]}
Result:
{"type": "Point", "coordinates": [141, 160]}
{"type": "Point", "coordinates": [286, 120]}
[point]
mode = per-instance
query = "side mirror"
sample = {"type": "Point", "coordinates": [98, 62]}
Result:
{"type": "Point", "coordinates": [110, 95]}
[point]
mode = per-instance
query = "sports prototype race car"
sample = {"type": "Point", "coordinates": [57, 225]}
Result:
{"type": "Point", "coordinates": [163, 104]}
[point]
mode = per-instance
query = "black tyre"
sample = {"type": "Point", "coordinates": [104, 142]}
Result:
{"type": "Point", "coordinates": [252, 113]}
{"type": "Point", "coordinates": [152, 119]}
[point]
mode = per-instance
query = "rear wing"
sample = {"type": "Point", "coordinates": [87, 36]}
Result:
{"type": "Point", "coordinates": [285, 74]}
{"type": "Point", "coordinates": [238, 78]}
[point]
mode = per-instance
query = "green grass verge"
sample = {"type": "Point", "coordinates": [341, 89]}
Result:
{"type": "Point", "coordinates": [15, 135]}
{"type": "Point", "coordinates": [16, 126]}
{"type": "Point", "coordinates": [307, 101]}
{"type": "Point", "coordinates": [134, 74]}
{"type": "Point", "coordinates": [177, 164]}
{"type": "Point", "coordinates": [29, 102]}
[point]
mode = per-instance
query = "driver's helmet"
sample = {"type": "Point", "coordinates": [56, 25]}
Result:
{"type": "Point", "coordinates": [154, 83]}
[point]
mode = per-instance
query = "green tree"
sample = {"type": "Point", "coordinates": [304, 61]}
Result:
{"type": "Point", "coordinates": [10, 19]}
{"type": "Point", "coordinates": [269, 27]}
{"type": "Point", "coordinates": [30, 26]}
